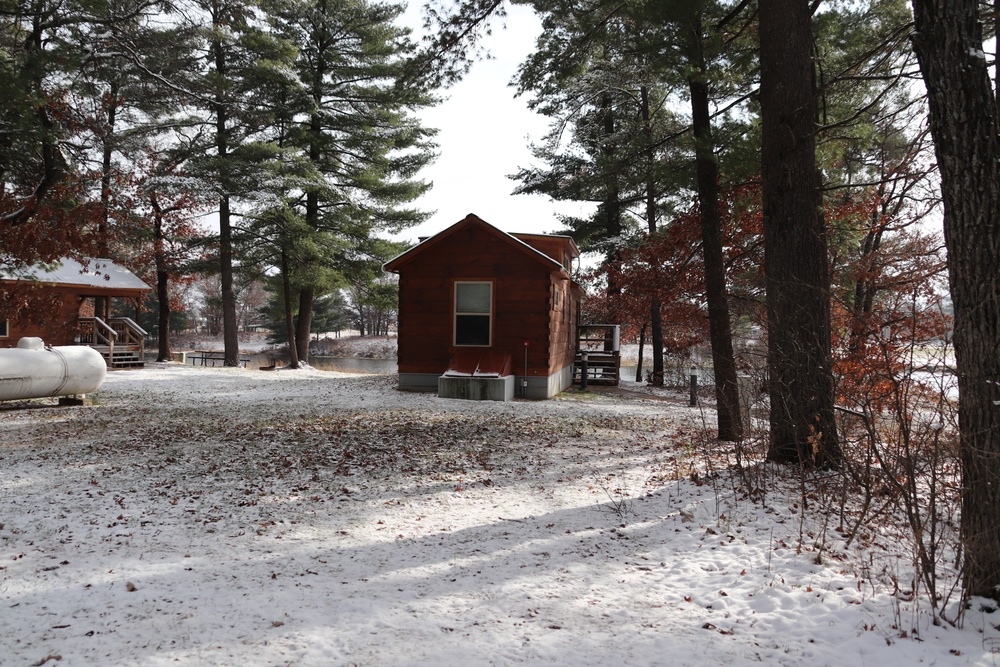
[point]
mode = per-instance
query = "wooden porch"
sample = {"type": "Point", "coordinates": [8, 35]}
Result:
{"type": "Point", "coordinates": [120, 340]}
{"type": "Point", "coordinates": [598, 355]}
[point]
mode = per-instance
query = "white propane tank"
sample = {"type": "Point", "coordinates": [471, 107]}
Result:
{"type": "Point", "coordinates": [32, 370]}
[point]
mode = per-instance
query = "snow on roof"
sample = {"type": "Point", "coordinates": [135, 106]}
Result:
{"type": "Point", "coordinates": [95, 273]}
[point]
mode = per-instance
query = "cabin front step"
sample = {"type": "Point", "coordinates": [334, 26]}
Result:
{"type": "Point", "coordinates": [122, 358]}
{"type": "Point", "coordinates": [127, 364]}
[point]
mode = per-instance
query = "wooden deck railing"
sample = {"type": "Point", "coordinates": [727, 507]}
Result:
{"type": "Point", "coordinates": [130, 333]}
{"type": "Point", "coordinates": [598, 360]}
{"type": "Point", "coordinates": [96, 332]}
{"type": "Point", "coordinates": [121, 341]}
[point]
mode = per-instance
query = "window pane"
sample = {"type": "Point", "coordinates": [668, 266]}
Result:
{"type": "Point", "coordinates": [472, 330]}
{"type": "Point", "coordinates": [473, 297]}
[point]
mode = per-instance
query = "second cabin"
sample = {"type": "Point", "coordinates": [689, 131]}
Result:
{"type": "Point", "coordinates": [70, 303]}
{"type": "Point", "coordinates": [487, 314]}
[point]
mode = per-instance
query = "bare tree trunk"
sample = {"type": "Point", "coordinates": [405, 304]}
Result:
{"type": "Point", "coordinates": [707, 170]}
{"type": "Point", "coordinates": [948, 42]}
{"type": "Point", "coordinates": [796, 265]}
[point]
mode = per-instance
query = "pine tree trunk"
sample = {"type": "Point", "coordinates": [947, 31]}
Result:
{"type": "Point", "coordinates": [230, 325]}
{"type": "Point", "coordinates": [720, 331]}
{"type": "Point", "coordinates": [306, 296]}
{"type": "Point", "coordinates": [796, 265]}
{"type": "Point", "coordinates": [996, 61]}
{"type": "Point", "coordinates": [163, 297]}
{"type": "Point", "coordinates": [948, 43]}
{"type": "Point", "coordinates": [655, 317]}
{"type": "Point", "coordinates": [286, 287]}
{"type": "Point", "coordinates": [611, 207]}
{"type": "Point", "coordinates": [107, 150]}
{"type": "Point", "coordinates": [162, 283]}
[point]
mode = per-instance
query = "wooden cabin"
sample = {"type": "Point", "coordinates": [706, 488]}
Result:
{"type": "Point", "coordinates": [70, 304]}
{"type": "Point", "coordinates": [487, 314]}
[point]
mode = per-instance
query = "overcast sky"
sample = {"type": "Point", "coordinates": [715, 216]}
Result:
{"type": "Point", "coordinates": [484, 136]}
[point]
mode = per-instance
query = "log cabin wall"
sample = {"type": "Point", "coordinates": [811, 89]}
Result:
{"type": "Point", "coordinates": [51, 314]}
{"type": "Point", "coordinates": [534, 301]}
{"type": "Point", "coordinates": [562, 325]}
{"type": "Point", "coordinates": [426, 302]}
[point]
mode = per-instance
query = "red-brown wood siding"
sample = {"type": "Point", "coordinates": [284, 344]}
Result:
{"type": "Point", "coordinates": [51, 316]}
{"type": "Point", "coordinates": [560, 248]}
{"type": "Point", "coordinates": [562, 325]}
{"type": "Point", "coordinates": [52, 311]}
{"type": "Point", "coordinates": [553, 247]}
{"type": "Point", "coordinates": [521, 301]}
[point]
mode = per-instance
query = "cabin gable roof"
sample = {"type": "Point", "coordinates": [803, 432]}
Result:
{"type": "Point", "coordinates": [565, 244]}
{"type": "Point", "coordinates": [101, 275]}
{"type": "Point", "coordinates": [472, 220]}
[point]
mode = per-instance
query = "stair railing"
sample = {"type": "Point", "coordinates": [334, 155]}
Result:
{"type": "Point", "coordinates": [131, 334]}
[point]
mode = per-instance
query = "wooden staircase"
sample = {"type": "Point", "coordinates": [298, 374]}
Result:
{"type": "Point", "coordinates": [120, 341]}
{"type": "Point", "coordinates": [120, 357]}
{"type": "Point", "coordinates": [599, 343]}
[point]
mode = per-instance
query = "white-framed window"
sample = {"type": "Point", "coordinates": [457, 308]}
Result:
{"type": "Point", "coordinates": [474, 313]}
{"type": "Point", "coordinates": [4, 328]}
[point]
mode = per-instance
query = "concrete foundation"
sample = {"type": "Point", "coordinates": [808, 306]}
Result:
{"type": "Point", "coordinates": [542, 387]}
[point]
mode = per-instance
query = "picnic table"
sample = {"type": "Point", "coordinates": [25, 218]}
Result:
{"type": "Point", "coordinates": [211, 357]}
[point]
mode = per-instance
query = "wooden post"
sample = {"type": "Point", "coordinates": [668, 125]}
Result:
{"type": "Point", "coordinates": [694, 386]}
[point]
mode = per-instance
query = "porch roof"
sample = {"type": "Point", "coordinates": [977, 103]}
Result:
{"type": "Point", "coordinates": [99, 274]}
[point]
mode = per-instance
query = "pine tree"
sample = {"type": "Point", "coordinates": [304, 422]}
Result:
{"type": "Point", "coordinates": [234, 98]}
{"type": "Point", "coordinates": [949, 42]}
{"type": "Point", "coordinates": [796, 264]}
{"type": "Point", "coordinates": [50, 51]}
{"type": "Point", "coordinates": [669, 43]}
{"type": "Point", "coordinates": [357, 134]}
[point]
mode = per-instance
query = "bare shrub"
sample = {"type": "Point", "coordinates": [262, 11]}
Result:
{"type": "Point", "coordinates": [900, 474]}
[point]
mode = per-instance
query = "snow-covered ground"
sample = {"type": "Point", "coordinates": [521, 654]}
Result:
{"type": "Point", "coordinates": [229, 517]}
